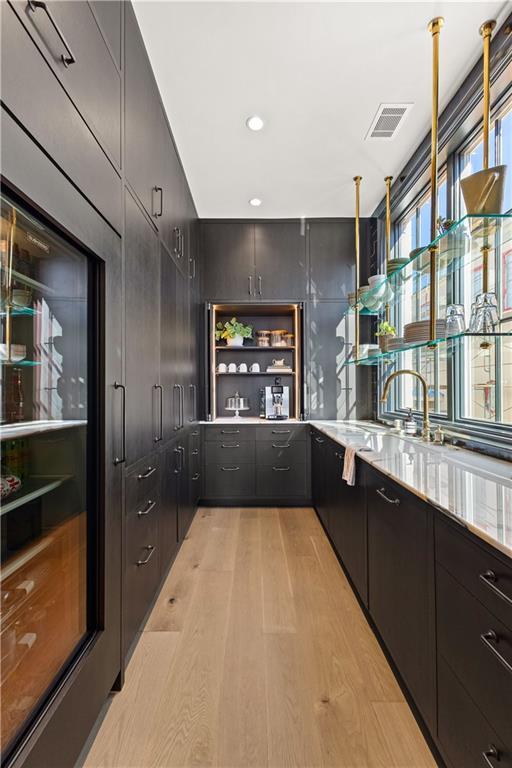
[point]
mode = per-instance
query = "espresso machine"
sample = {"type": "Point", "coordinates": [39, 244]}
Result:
{"type": "Point", "coordinates": [277, 400]}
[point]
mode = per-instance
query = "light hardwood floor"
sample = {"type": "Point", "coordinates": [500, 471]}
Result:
{"type": "Point", "coordinates": [257, 654]}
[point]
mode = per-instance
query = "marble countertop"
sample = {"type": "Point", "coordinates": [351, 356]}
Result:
{"type": "Point", "coordinates": [473, 489]}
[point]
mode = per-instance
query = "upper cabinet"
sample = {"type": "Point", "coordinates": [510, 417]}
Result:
{"type": "Point", "coordinates": [332, 259]}
{"type": "Point", "coordinates": [109, 19]}
{"type": "Point", "coordinates": [83, 63]}
{"type": "Point", "coordinates": [280, 260]}
{"type": "Point", "coordinates": [227, 260]}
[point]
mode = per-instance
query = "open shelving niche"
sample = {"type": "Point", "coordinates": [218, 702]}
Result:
{"type": "Point", "coordinates": [261, 317]}
{"type": "Point", "coordinates": [459, 248]}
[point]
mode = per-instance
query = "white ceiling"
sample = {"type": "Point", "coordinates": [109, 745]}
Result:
{"type": "Point", "coordinates": [316, 73]}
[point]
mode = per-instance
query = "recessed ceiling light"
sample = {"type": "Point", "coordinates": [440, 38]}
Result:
{"type": "Point", "coordinates": [254, 123]}
{"type": "Point", "coordinates": [255, 201]}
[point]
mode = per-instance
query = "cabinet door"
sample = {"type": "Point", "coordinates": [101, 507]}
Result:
{"type": "Point", "coordinates": [142, 333]}
{"type": "Point", "coordinates": [401, 584]}
{"type": "Point", "coordinates": [185, 506]}
{"type": "Point", "coordinates": [144, 128]}
{"type": "Point", "coordinates": [92, 80]}
{"type": "Point", "coordinates": [331, 257]}
{"type": "Point", "coordinates": [168, 346]}
{"type": "Point", "coordinates": [281, 268]}
{"type": "Point", "coordinates": [331, 382]}
{"type": "Point", "coordinates": [348, 523]}
{"type": "Point", "coordinates": [227, 261]}
{"type": "Point", "coordinates": [168, 509]}
{"type": "Point", "coordinates": [319, 476]}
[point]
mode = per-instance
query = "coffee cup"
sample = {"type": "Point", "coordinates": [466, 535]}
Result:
{"type": "Point", "coordinates": [255, 368]}
{"type": "Point", "coordinates": [242, 368]}
{"type": "Point", "coordinates": [232, 368]}
{"type": "Point", "coordinates": [222, 368]}
{"type": "Point", "coordinates": [278, 363]}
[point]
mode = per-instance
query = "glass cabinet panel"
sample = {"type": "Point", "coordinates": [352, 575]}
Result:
{"type": "Point", "coordinates": [44, 383]}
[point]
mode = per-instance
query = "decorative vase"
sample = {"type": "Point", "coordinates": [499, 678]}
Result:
{"type": "Point", "coordinates": [383, 343]}
{"type": "Point", "coordinates": [235, 341]}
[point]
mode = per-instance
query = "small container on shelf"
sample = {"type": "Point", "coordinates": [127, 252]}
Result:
{"type": "Point", "coordinates": [288, 339]}
{"type": "Point", "coordinates": [277, 338]}
{"type": "Point", "coordinates": [263, 338]}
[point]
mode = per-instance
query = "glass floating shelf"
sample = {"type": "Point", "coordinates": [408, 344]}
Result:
{"type": "Point", "coordinates": [459, 248]}
{"type": "Point", "coordinates": [391, 355]}
{"type": "Point", "coordinates": [21, 363]}
{"type": "Point", "coordinates": [253, 349]}
{"type": "Point", "coordinates": [256, 373]}
{"type": "Point", "coordinates": [19, 312]}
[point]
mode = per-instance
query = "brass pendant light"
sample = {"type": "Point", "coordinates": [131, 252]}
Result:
{"type": "Point", "coordinates": [434, 28]}
{"type": "Point", "coordinates": [388, 181]}
{"type": "Point", "coordinates": [357, 181]}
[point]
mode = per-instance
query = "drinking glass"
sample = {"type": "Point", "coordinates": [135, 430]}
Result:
{"type": "Point", "coordinates": [455, 321]}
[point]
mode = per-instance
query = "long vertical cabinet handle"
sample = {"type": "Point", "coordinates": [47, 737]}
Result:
{"type": "Point", "coordinates": [158, 438]}
{"type": "Point", "coordinates": [193, 389]}
{"type": "Point", "coordinates": [69, 58]}
{"type": "Point", "coordinates": [157, 212]}
{"type": "Point", "coordinates": [121, 459]}
{"type": "Point", "coordinates": [259, 284]}
{"type": "Point", "coordinates": [250, 285]}
{"type": "Point", "coordinates": [178, 467]}
{"type": "Point", "coordinates": [176, 417]}
{"type": "Point", "coordinates": [182, 405]}
{"type": "Point", "coordinates": [176, 249]}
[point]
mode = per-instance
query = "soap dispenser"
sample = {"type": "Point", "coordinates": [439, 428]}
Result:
{"type": "Point", "coordinates": [410, 425]}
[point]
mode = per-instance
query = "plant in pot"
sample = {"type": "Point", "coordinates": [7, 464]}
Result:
{"type": "Point", "coordinates": [385, 332]}
{"type": "Point", "coordinates": [233, 332]}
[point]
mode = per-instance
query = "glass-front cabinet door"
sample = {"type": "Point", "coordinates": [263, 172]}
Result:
{"type": "Point", "coordinates": [46, 472]}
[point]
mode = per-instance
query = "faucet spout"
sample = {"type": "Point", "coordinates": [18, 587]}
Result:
{"type": "Point", "coordinates": [425, 433]}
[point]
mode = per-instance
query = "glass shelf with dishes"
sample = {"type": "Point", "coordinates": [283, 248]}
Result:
{"type": "Point", "coordinates": [468, 250]}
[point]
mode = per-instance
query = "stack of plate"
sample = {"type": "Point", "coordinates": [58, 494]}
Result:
{"type": "Point", "coordinates": [420, 331]}
{"type": "Point", "coordinates": [396, 342]}
{"type": "Point", "coordinates": [394, 265]}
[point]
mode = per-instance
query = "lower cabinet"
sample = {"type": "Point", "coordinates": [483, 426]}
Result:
{"type": "Point", "coordinates": [256, 464]}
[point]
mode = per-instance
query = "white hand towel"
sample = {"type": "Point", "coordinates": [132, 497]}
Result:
{"type": "Point", "coordinates": [349, 465]}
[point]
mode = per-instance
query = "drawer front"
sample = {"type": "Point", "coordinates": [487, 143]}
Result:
{"type": "Point", "coordinates": [229, 480]}
{"type": "Point", "coordinates": [281, 480]}
{"type": "Point", "coordinates": [467, 740]}
{"type": "Point", "coordinates": [228, 432]}
{"type": "Point", "coordinates": [142, 485]}
{"type": "Point", "coordinates": [229, 450]}
{"type": "Point", "coordinates": [484, 575]}
{"type": "Point", "coordinates": [142, 572]}
{"type": "Point", "coordinates": [33, 94]}
{"type": "Point", "coordinates": [279, 452]}
{"type": "Point", "coordinates": [478, 648]}
{"type": "Point", "coordinates": [194, 439]}
{"type": "Point", "coordinates": [282, 433]}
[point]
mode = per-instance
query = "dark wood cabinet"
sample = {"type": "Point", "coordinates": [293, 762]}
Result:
{"type": "Point", "coordinates": [280, 260]}
{"type": "Point", "coordinates": [143, 427]}
{"type": "Point", "coordinates": [331, 383]}
{"type": "Point", "coordinates": [168, 507]}
{"type": "Point", "coordinates": [319, 477]}
{"type": "Point", "coordinates": [331, 256]}
{"type": "Point", "coordinates": [401, 584]}
{"type": "Point", "coordinates": [169, 382]}
{"type": "Point", "coordinates": [227, 261]}
{"type": "Point", "coordinates": [109, 16]}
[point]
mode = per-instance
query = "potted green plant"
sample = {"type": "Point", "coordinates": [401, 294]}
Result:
{"type": "Point", "coordinates": [385, 332]}
{"type": "Point", "coordinates": [233, 332]}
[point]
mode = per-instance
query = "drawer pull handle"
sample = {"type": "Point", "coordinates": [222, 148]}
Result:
{"type": "Point", "coordinates": [281, 431]}
{"type": "Point", "coordinates": [281, 469]}
{"type": "Point", "coordinates": [195, 452]}
{"type": "Point", "coordinates": [229, 469]}
{"type": "Point", "coordinates": [231, 445]}
{"type": "Point", "coordinates": [276, 445]}
{"type": "Point", "coordinates": [196, 476]}
{"type": "Point", "coordinates": [491, 753]}
{"type": "Point", "coordinates": [381, 493]}
{"type": "Point", "coordinates": [149, 471]}
{"type": "Point", "coordinates": [230, 431]}
{"type": "Point", "coordinates": [150, 548]}
{"type": "Point", "coordinates": [490, 639]}
{"type": "Point", "coordinates": [489, 578]}
{"type": "Point", "coordinates": [319, 440]}
{"type": "Point", "coordinates": [69, 57]}
{"type": "Point", "coordinates": [143, 512]}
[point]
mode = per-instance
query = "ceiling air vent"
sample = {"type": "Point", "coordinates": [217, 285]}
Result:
{"type": "Point", "coordinates": [387, 121]}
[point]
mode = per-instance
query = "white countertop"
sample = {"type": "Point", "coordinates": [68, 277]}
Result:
{"type": "Point", "coordinates": [251, 420]}
{"type": "Point", "coordinates": [475, 490]}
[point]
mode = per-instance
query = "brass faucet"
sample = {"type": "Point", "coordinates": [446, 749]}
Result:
{"type": "Point", "coordinates": [425, 432]}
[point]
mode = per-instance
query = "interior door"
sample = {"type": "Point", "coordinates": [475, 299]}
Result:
{"type": "Point", "coordinates": [142, 334]}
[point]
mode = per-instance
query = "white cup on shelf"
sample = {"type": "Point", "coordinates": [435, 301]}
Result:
{"type": "Point", "coordinates": [255, 368]}
{"type": "Point", "coordinates": [222, 368]}
{"type": "Point", "coordinates": [242, 368]}
{"type": "Point", "coordinates": [232, 368]}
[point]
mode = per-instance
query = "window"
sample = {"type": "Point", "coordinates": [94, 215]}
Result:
{"type": "Point", "coordinates": [473, 387]}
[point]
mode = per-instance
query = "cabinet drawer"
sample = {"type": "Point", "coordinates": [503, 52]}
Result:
{"type": "Point", "coordinates": [229, 480]}
{"type": "Point", "coordinates": [142, 572]}
{"type": "Point", "coordinates": [282, 433]}
{"type": "Point", "coordinates": [280, 452]}
{"type": "Point", "coordinates": [229, 450]}
{"type": "Point", "coordinates": [142, 485]}
{"type": "Point", "coordinates": [464, 734]}
{"type": "Point", "coordinates": [281, 480]}
{"type": "Point", "coordinates": [228, 431]}
{"type": "Point", "coordinates": [478, 648]}
{"type": "Point", "coordinates": [92, 80]}
{"type": "Point", "coordinates": [484, 575]}
{"type": "Point", "coordinates": [194, 440]}
{"type": "Point", "coordinates": [32, 93]}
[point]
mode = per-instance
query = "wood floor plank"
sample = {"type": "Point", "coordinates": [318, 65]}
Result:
{"type": "Point", "coordinates": [278, 605]}
{"type": "Point", "coordinates": [123, 737]}
{"type": "Point", "coordinates": [185, 725]}
{"type": "Point", "coordinates": [242, 708]}
{"type": "Point", "coordinates": [274, 666]}
{"type": "Point", "coordinates": [175, 598]}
